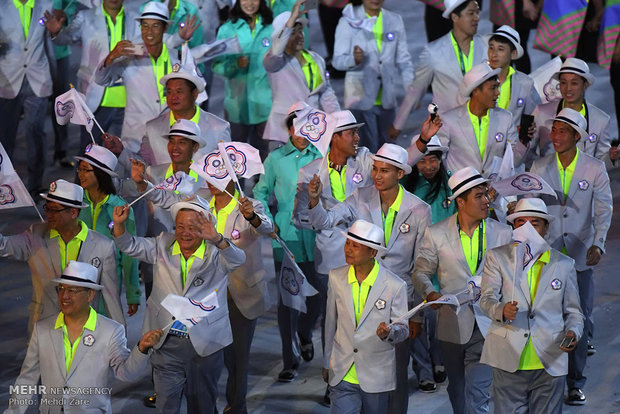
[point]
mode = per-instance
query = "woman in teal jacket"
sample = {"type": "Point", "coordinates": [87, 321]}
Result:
{"type": "Point", "coordinates": [95, 172]}
{"type": "Point", "coordinates": [248, 95]}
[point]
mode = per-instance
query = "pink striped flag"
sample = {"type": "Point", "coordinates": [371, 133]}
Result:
{"type": "Point", "coordinates": [559, 26]}
{"type": "Point", "coordinates": [610, 30]}
{"type": "Point", "coordinates": [502, 12]}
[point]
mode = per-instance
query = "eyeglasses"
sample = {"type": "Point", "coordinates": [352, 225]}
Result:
{"type": "Point", "coordinates": [80, 169]}
{"type": "Point", "coordinates": [70, 291]}
{"type": "Point", "coordinates": [49, 210]}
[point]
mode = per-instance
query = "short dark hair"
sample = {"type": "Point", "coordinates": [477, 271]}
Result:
{"type": "Point", "coordinates": [463, 6]}
{"type": "Point", "coordinates": [264, 11]}
{"type": "Point", "coordinates": [479, 87]}
{"type": "Point", "coordinates": [289, 120]}
{"type": "Point", "coordinates": [503, 40]}
{"type": "Point", "coordinates": [465, 194]}
{"type": "Point", "coordinates": [105, 181]}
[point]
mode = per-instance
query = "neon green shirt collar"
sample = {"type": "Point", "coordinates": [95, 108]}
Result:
{"type": "Point", "coordinates": [194, 119]}
{"type": "Point", "coordinates": [25, 14]}
{"type": "Point", "coordinates": [566, 175]}
{"type": "Point", "coordinates": [70, 348]}
{"type": "Point", "coordinates": [504, 90]}
{"type": "Point", "coordinates": [481, 130]}
{"type": "Point", "coordinates": [186, 265]}
{"type": "Point", "coordinates": [223, 213]}
{"type": "Point", "coordinates": [388, 220]}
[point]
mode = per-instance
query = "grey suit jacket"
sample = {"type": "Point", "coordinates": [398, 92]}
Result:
{"type": "Point", "coordinates": [410, 223]}
{"type": "Point", "coordinates": [206, 275]}
{"type": "Point", "coordinates": [441, 252]}
{"type": "Point", "coordinates": [346, 343]}
{"type": "Point", "coordinates": [523, 96]}
{"type": "Point", "coordinates": [43, 256]}
{"type": "Point", "coordinates": [584, 219]}
{"type": "Point", "coordinates": [25, 59]}
{"type": "Point", "coordinates": [596, 145]}
{"type": "Point", "coordinates": [439, 68]}
{"type": "Point", "coordinates": [91, 367]}
{"type": "Point", "coordinates": [391, 69]}
{"type": "Point", "coordinates": [289, 85]}
{"type": "Point", "coordinates": [458, 135]}
{"type": "Point", "coordinates": [555, 310]}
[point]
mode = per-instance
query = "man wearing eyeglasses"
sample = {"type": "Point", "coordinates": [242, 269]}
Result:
{"type": "Point", "coordinates": [49, 246]}
{"type": "Point", "coordinates": [75, 351]}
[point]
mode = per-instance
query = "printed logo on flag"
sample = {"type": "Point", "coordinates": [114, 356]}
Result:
{"type": "Point", "coordinates": [315, 127]}
{"type": "Point", "coordinates": [551, 89]}
{"type": "Point", "coordinates": [237, 159]}
{"type": "Point", "coordinates": [291, 281]}
{"type": "Point", "coordinates": [216, 50]}
{"type": "Point", "coordinates": [525, 182]}
{"type": "Point", "coordinates": [65, 109]}
{"type": "Point", "coordinates": [527, 253]}
{"type": "Point", "coordinates": [214, 166]}
{"type": "Point", "coordinates": [201, 306]}
{"type": "Point", "coordinates": [475, 290]}
{"type": "Point", "coordinates": [7, 195]}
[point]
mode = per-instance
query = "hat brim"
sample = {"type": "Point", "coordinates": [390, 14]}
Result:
{"type": "Point", "coordinates": [405, 167]}
{"type": "Point", "coordinates": [511, 217]}
{"type": "Point", "coordinates": [582, 132]}
{"type": "Point", "coordinates": [587, 76]}
{"type": "Point", "coordinates": [68, 204]}
{"type": "Point", "coordinates": [448, 11]}
{"type": "Point", "coordinates": [106, 170]}
{"type": "Point", "coordinates": [93, 286]}
{"type": "Point", "coordinates": [364, 242]}
{"type": "Point", "coordinates": [201, 144]}
{"type": "Point", "coordinates": [472, 184]}
{"type": "Point", "coordinates": [348, 126]}
{"type": "Point", "coordinates": [153, 17]}
{"type": "Point", "coordinates": [518, 47]}
{"type": "Point", "coordinates": [467, 92]}
{"type": "Point", "coordinates": [184, 205]}
{"type": "Point", "coordinates": [197, 81]}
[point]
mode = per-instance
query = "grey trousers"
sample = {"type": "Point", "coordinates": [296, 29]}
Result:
{"type": "Point", "coordinates": [469, 379]}
{"type": "Point", "coordinates": [524, 392]}
{"type": "Point", "coordinates": [178, 370]}
{"type": "Point", "coordinates": [399, 398]}
{"type": "Point", "coordinates": [374, 133]}
{"type": "Point", "coordinates": [577, 357]}
{"type": "Point", "coordinates": [347, 398]}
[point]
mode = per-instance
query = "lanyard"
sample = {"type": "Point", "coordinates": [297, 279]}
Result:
{"type": "Point", "coordinates": [480, 239]}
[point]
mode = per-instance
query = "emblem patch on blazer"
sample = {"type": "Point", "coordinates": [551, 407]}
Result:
{"type": "Point", "coordinates": [520, 102]}
{"type": "Point", "coordinates": [583, 185]}
{"type": "Point", "coordinates": [291, 281]}
{"type": "Point", "coordinates": [380, 304]}
{"type": "Point", "coordinates": [592, 137]}
{"type": "Point", "coordinates": [389, 36]}
{"type": "Point", "coordinates": [198, 282]}
{"type": "Point", "coordinates": [357, 178]}
{"type": "Point", "coordinates": [176, 67]}
{"type": "Point", "coordinates": [235, 234]}
{"type": "Point", "coordinates": [445, 203]}
{"type": "Point", "coordinates": [266, 42]}
{"type": "Point", "coordinates": [96, 262]}
{"type": "Point", "coordinates": [499, 137]}
{"type": "Point", "coordinates": [404, 228]}
{"type": "Point", "coordinates": [556, 284]}
{"type": "Point", "coordinates": [52, 186]}
{"type": "Point", "coordinates": [88, 340]}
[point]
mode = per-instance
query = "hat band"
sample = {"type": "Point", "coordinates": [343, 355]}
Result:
{"type": "Point", "coordinates": [531, 211]}
{"type": "Point", "coordinates": [567, 120]}
{"type": "Point", "coordinates": [181, 132]}
{"type": "Point", "coordinates": [356, 237]}
{"type": "Point", "coordinates": [506, 34]}
{"type": "Point", "coordinates": [467, 181]}
{"type": "Point", "coordinates": [147, 15]}
{"type": "Point", "coordinates": [344, 127]}
{"type": "Point", "coordinates": [77, 279]}
{"type": "Point", "coordinates": [96, 162]}
{"type": "Point", "coordinates": [64, 200]}
{"type": "Point", "coordinates": [389, 159]}
{"type": "Point", "coordinates": [573, 69]}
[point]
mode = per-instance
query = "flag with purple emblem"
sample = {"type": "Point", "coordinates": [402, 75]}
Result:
{"type": "Point", "coordinates": [529, 245]}
{"type": "Point", "coordinates": [13, 193]}
{"type": "Point", "coordinates": [190, 311]}
{"type": "Point", "coordinates": [70, 107]}
{"type": "Point", "coordinates": [293, 285]}
{"type": "Point", "coordinates": [316, 126]}
{"type": "Point", "coordinates": [180, 183]}
{"type": "Point", "coordinates": [523, 183]}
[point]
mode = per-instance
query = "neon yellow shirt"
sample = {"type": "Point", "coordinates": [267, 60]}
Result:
{"type": "Point", "coordinates": [470, 246]}
{"type": "Point", "coordinates": [161, 67]}
{"type": "Point", "coordinates": [186, 265]}
{"type": "Point", "coordinates": [388, 220]}
{"type": "Point", "coordinates": [95, 209]}
{"type": "Point", "coordinates": [582, 111]}
{"type": "Point", "coordinates": [114, 96]}
{"type": "Point", "coordinates": [25, 14]}
{"type": "Point", "coordinates": [377, 30]}
{"type": "Point", "coordinates": [170, 171]}
{"type": "Point", "coordinates": [71, 250]}
{"type": "Point", "coordinates": [194, 119]}
{"type": "Point", "coordinates": [311, 71]}
{"type": "Point", "coordinates": [481, 129]}
{"type": "Point", "coordinates": [176, 7]}
{"type": "Point", "coordinates": [360, 295]}
{"type": "Point", "coordinates": [529, 359]}
{"type": "Point", "coordinates": [70, 348]}
{"type": "Point", "coordinates": [222, 214]}
{"type": "Point", "coordinates": [338, 182]}
{"type": "Point", "coordinates": [504, 90]}
{"type": "Point", "coordinates": [566, 174]}
{"type": "Point", "coordinates": [465, 62]}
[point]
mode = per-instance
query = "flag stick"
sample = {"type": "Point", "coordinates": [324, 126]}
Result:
{"type": "Point", "coordinates": [142, 196]}
{"type": "Point", "coordinates": [88, 111]}
{"type": "Point", "coordinates": [233, 197]}
{"type": "Point", "coordinates": [169, 325]}
{"type": "Point", "coordinates": [91, 136]}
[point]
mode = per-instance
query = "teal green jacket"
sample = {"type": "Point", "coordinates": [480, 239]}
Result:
{"type": "Point", "coordinates": [248, 93]}
{"type": "Point", "coordinates": [281, 170]}
{"type": "Point", "coordinates": [440, 207]}
{"type": "Point", "coordinates": [126, 265]}
{"type": "Point", "coordinates": [70, 9]}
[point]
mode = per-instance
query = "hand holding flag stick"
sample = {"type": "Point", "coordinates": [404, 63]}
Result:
{"type": "Point", "coordinates": [179, 182]}
{"type": "Point", "coordinates": [449, 299]}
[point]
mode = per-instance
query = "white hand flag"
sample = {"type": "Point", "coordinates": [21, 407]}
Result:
{"type": "Point", "coordinates": [529, 245]}
{"type": "Point", "coordinates": [449, 299]}
{"type": "Point", "coordinates": [316, 126]}
{"type": "Point", "coordinates": [70, 107]}
{"type": "Point", "coordinates": [181, 183]}
{"type": "Point", "coordinates": [188, 310]}
{"type": "Point", "coordinates": [188, 63]}
{"type": "Point", "coordinates": [211, 50]}
{"type": "Point", "coordinates": [547, 88]}
{"type": "Point", "coordinates": [365, 24]}
{"type": "Point", "coordinates": [523, 183]}
{"type": "Point", "coordinates": [293, 286]}
{"type": "Point", "coordinates": [13, 193]}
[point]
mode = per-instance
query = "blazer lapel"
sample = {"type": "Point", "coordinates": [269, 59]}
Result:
{"type": "Point", "coordinates": [552, 174]}
{"type": "Point", "coordinates": [490, 139]}
{"type": "Point", "coordinates": [547, 273]}
{"type": "Point", "coordinates": [403, 215]}
{"type": "Point", "coordinates": [348, 298]}
{"type": "Point", "coordinates": [524, 284]}
{"type": "Point", "coordinates": [53, 251]}
{"type": "Point", "coordinates": [375, 209]}
{"type": "Point", "coordinates": [375, 293]}
{"type": "Point", "coordinates": [454, 239]}
{"type": "Point", "coordinates": [58, 347]}
{"type": "Point", "coordinates": [468, 133]}
{"type": "Point", "coordinates": [578, 174]}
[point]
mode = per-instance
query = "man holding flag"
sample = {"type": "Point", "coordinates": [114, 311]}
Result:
{"type": "Point", "coordinates": [530, 294]}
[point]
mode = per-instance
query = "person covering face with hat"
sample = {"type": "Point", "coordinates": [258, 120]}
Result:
{"type": "Point", "coordinates": [403, 217]}
{"type": "Point", "coordinates": [477, 131]}
{"type": "Point", "coordinates": [583, 210]}
{"type": "Point", "coordinates": [532, 312]}
{"type": "Point", "coordinates": [295, 74]}
{"type": "Point", "coordinates": [78, 348]}
{"type": "Point", "coordinates": [575, 78]}
{"type": "Point", "coordinates": [443, 62]}
{"type": "Point", "coordinates": [49, 246]}
{"type": "Point", "coordinates": [359, 362]}
{"type": "Point", "coordinates": [193, 262]}
{"type": "Point", "coordinates": [454, 249]}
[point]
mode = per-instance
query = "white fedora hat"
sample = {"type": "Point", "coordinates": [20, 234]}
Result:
{"type": "Point", "coordinates": [99, 157]}
{"type": "Point", "coordinates": [433, 144]}
{"type": "Point", "coordinates": [450, 5]}
{"type": "Point", "coordinates": [573, 118]}
{"type": "Point", "coordinates": [179, 72]}
{"type": "Point", "coordinates": [187, 129]}
{"type": "Point", "coordinates": [196, 203]}
{"type": "Point", "coordinates": [345, 120]}
{"type": "Point", "coordinates": [393, 154]}
{"type": "Point", "coordinates": [530, 207]}
{"type": "Point", "coordinates": [79, 274]}
{"type": "Point", "coordinates": [366, 233]}
{"type": "Point", "coordinates": [65, 193]}
{"type": "Point", "coordinates": [463, 180]}
{"type": "Point", "coordinates": [476, 77]}
{"type": "Point", "coordinates": [280, 21]}
{"type": "Point", "coordinates": [509, 33]}
{"type": "Point", "coordinates": [155, 10]}
{"type": "Point", "coordinates": [576, 66]}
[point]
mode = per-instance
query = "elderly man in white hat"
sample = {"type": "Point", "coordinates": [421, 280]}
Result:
{"type": "Point", "coordinates": [575, 78]}
{"type": "Point", "coordinates": [517, 92]}
{"type": "Point", "coordinates": [454, 249]}
{"type": "Point", "coordinates": [403, 217]}
{"type": "Point", "coordinates": [478, 131]}
{"type": "Point", "coordinates": [77, 349]}
{"type": "Point", "coordinates": [49, 246]}
{"type": "Point", "coordinates": [295, 74]}
{"type": "Point", "coordinates": [193, 262]}
{"type": "Point", "coordinates": [542, 303]}
{"type": "Point", "coordinates": [583, 211]}
{"type": "Point", "coordinates": [443, 63]}
{"type": "Point", "coordinates": [364, 300]}
{"type": "Point", "coordinates": [141, 66]}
